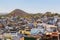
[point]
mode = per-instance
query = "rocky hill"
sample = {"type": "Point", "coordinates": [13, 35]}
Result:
{"type": "Point", "coordinates": [18, 12]}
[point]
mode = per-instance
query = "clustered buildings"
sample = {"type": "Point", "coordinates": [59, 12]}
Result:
{"type": "Point", "coordinates": [15, 28]}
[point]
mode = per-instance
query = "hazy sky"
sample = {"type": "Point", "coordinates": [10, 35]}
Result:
{"type": "Point", "coordinates": [31, 6]}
